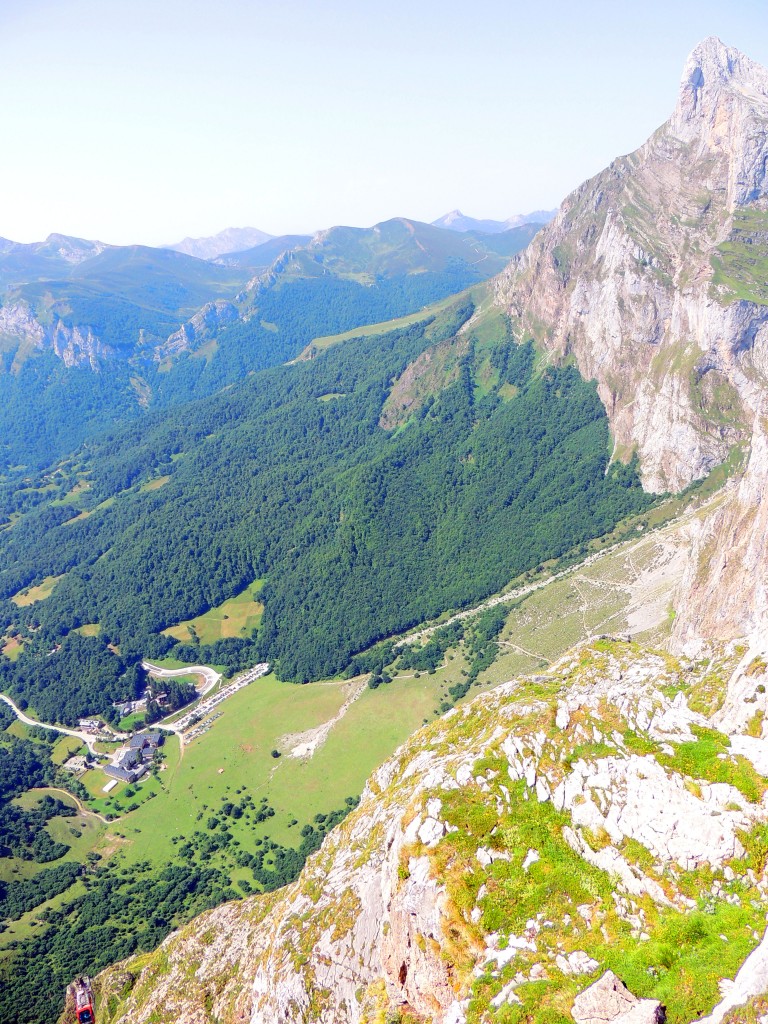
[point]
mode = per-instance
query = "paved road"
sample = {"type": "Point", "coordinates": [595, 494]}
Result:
{"type": "Point", "coordinates": [83, 736]}
{"type": "Point", "coordinates": [210, 675]}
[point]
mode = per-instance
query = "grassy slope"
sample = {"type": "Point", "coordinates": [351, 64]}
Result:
{"type": "Point", "coordinates": [251, 725]}
{"type": "Point", "coordinates": [238, 616]}
{"type": "Point", "coordinates": [39, 593]}
{"type": "Point", "coordinates": [91, 830]}
{"type": "Point", "coordinates": [371, 330]}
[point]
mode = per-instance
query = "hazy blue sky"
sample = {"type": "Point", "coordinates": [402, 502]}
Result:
{"type": "Point", "coordinates": [147, 120]}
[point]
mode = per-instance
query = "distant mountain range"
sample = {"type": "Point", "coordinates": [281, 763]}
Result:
{"type": "Point", "coordinates": [228, 240]}
{"type": "Point", "coordinates": [239, 241]}
{"type": "Point", "coordinates": [115, 330]}
{"type": "Point", "coordinates": [456, 221]}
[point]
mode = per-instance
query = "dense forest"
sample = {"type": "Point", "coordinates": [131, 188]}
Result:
{"type": "Point", "coordinates": [360, 532]}
{"type": "Point", "coordinates": [48, 408]}
{"type": "Point", "coordinates": [65, 677]}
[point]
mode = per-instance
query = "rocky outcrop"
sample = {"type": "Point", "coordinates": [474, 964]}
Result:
{"type": "Point", "coordinates": [75, 346]}
{"type": "Point", "coordinates": [18, 325]}
{"type": "Point", "coordinates": [609, 1001]}
{"type": "Point", "coordinates": [507, 854]}
{"type": "Point", "coordinates": [725, 590]}
{"type": "Point", "coordinates": [750, 983]}
{"type": "Point", "coordinates": [625, 279]}
{"type": "Point", "coordinates": [203, 325]}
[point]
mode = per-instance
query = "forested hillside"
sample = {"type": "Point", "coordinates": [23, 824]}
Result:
{"type": "Point", "coordinates": [95, 337]}
{"type": "Point", "coordinates": [359, 531]}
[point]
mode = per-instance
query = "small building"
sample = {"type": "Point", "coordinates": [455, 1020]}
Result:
{"type": "Point", "coordinates": [93, 724]}
{"type": "Point", "coordinates": [127, 707]}
{"type": "Point", "coordinates": [128, 756]}
{"type": "Point", "coordinates": [146, 741]}
{"type": "Point", "coordinates": [77, 765]}
{"type": "Point", "coordinates": [126, 774]}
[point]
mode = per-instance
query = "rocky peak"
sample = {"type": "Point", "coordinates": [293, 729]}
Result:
{"type": "Point", "coordinates": [71, 250]}
{"type": "Point", "coordinates": [712, 69]}
{"type": "Point", "coordinates": [722, 108]}
{"type": "Point", "coordinates": [637, 276]}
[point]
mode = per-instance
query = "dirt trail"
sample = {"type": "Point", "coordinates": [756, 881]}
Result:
{"type": "Point", "coordinates": [80, 805]}
{"type": "Point", "coordinates": [628, 547]}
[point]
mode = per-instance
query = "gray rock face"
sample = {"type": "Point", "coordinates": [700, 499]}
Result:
{"type": "Point", "coordinates": [75, 346]}
{"type": "Point", "coordinates": [18, 324]}
{"type": "Point", "coordinates": [633, 280]}
{"type": "Point", "coordinates": [202, 325]}
{"type": "Point", "coordinates": [724, 593]}
{"type": "Point", "coordinates": [623, 277]}
{"type": "Point", "coordinates": [751, 981]}
{"type": "Point", "coordinates": [609, 1001]}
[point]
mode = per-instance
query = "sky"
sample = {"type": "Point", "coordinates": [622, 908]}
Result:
{"type": "Point", "coordinates": [144, 121]}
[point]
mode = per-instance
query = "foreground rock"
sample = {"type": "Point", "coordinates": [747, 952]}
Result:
{"type": "Point", "coordinates": [609, 1001]}
{"type": "Point", "coordinates": [501, 858]}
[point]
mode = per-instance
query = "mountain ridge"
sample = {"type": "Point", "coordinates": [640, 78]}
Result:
{"type": "Point", "coordinates": [229, 240]}
{"type": "Point", "coordinates": [607, 814]}
{"type": "Point", "coordinates": [457, 221]}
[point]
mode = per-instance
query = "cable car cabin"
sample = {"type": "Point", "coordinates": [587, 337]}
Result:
{"type": "Point", "coordinates": [84, 1001]}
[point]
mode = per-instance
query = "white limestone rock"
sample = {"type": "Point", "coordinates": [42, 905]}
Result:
{"type": "Point", "coordinates": [577, 962]}
{"type": "Point", "coordinates": [609, 1001]}
{"type": "Point", "coordinates": [750, 981]}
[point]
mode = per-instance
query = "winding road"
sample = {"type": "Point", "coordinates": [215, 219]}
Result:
{"type": "Point", "coordinates": [84, 737]}
{"type": "Point", "coordinates": [211, 676]}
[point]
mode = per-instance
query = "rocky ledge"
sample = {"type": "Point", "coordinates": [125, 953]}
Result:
{"type": "Point", "coordinates": [586, 821]}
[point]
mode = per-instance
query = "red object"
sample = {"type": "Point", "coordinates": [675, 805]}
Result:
{"type": "Point", "coordinates": [84, 1001]}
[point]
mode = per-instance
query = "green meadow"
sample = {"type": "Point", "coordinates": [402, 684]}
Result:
{"type": "Point", "coordinates": [237, 617]}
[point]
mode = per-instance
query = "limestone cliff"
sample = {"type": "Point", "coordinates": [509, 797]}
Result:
{"type": "Point", "coordinates": [75, 346]}
{"type": "Point", "coordinates": [652, 277]}
{"type": "Point", "coordinates": [611, 815]}
{"type": "Point", "coordinates": [507, 856]}
{"type": "Point", "coordinates": [638, 276]}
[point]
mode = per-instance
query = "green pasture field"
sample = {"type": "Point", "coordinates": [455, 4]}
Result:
{"type": "Point", "coordinates": [30, 595]}
{"type": "Point", "coordinates": [118, 800]}
{"type": "Point", "coordinates": [29, 923]}
{"type": "Point", "coordinates": [89, 629]}
{"type": "Point", "coordinates": [12, 647]}
{"type": "Point", "coordinates": [155, 484]}
{"type": "Point", "coordinates": [61, 829]}
{"type": "Point", "coordinates": [236, 754]}
{"type": "Point", "coordinates": [237, 617]}
{"type": "Point", "coordinates": [169, 663]}
{"type": "Point", "coordinates": [371, 330]}
{"type": "Point", "coordinates": [18, 728]}
{"type": "Point", "coordinates": [129, 722]}
{"type": "Point", "coordinates": [65, 748]}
